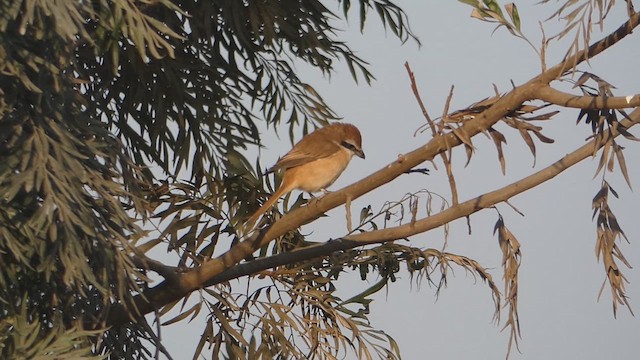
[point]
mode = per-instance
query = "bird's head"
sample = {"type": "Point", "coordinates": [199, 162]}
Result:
{"type": "Point", "coordinates": [350, 138]}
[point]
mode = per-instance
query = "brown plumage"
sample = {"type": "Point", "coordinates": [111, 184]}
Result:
{"type": "Point", "coordinates": [315, 162]}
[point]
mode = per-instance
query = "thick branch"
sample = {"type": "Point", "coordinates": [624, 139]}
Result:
{"type": "Point", "coordinates": [170, 273]}
{"type": "Point", "coordinates": [196, 278]}
{"type": "Point", "coordinates": [558, 97]}
{"type": "Point", "coordinates": [438, 144]}
{"type": "Point", "coordinates": [492, 198]}
{"type": "Point", "coordinates": [455, 212]}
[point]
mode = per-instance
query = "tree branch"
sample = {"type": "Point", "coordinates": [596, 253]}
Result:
{"type": "Point", "coordinates": [170, 273]}
{"type": "Point", "coordinates": [400, 232]}
{"type": "Point", "coordinates": [445, 157]}
{"type": "Point", "coordinates": [557, 97]}
{"type": "Point", "coordinates": [497, 196]}
{"type": "Point", "coordinates": [196, 278]}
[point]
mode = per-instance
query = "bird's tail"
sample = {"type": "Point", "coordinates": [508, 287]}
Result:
{"type": "Point", "coordinates": [266, 206]}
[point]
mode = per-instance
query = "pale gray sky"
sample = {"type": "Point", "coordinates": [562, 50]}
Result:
{"type": "Point", "coordinates": [559, 277]}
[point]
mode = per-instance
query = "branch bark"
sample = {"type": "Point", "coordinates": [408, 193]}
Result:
{"type": "Point", "coordinates": [561, 98]}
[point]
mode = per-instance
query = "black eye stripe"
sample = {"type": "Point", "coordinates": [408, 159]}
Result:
{"type": "Point", "coordinates": [348, 145]}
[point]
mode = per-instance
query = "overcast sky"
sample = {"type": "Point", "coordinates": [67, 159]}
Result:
{"type": "Point", "coordinates": [559, 278]}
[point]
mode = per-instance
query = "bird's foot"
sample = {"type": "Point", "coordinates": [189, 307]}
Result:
{"type": "Point", "coordinates": [315, 198]}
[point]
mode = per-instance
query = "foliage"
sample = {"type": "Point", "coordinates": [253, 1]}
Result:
{"type": "Point", "coordinates": [103, 102]}
{"type": "Point", "coordinates": [123, 129]}
{"type": "Point", "coordinates": [23, 338]}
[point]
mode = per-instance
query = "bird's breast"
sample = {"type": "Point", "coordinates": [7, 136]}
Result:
{"type": "Point", "coordinates": [319, 174]}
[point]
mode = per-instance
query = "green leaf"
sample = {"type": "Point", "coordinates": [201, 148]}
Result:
{"type": "Point", "coordinates": [512, 10]}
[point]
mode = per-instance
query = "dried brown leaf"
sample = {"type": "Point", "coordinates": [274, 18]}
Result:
{"type": "Point", "coordinates": [498, 139]}
{"type": "Point", "coordinates": [529, 141]}
{"type": "Point", "coordinates": [511, 255]}
{"type": "Point", "coordinates": [541, 117]}
{"type": "Point", "coordinates": [543, 138]}
{"type": "Point", "coordinates": [623, 164]}
{"type": "Point", "coordinates": [228, 328]}
{"type": "Point", "coordinates": [582, 79]}
{"type": "Point", "coordinates": [463, 136]}
{"type": "Point", "coordinates": [194, 311]}
{"type": "Point", "coordinates": [603, 157]}
{"type": "Point", "coordinates": [469, 151]}
{"type": "Point", "coordinates": [612, 159]}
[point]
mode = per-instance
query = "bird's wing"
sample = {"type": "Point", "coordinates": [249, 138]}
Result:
{"type": "Point", "coordinates": [316, 145]}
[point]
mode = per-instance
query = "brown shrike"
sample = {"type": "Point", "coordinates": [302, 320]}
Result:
{"type": "Point", "coordinates": [315, 162]}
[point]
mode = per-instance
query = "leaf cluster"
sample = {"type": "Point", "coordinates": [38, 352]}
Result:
{"type": "Point", "coordinates": [114, 113]}
{"type": "Point", "coordinates": [64, 219]}
{"type": "Point", "coordinates": [519, 119]}
{"type": "Point", "coordinates": [579, 17]}
{"type": "Point", "coordinates": [604, 123]}
{"type": "Point", "coordinates": [490, 11]}
{"type": "Point", "coordinates": [511, 259]}
{"type": "Point", "coordinates": [22, 338]}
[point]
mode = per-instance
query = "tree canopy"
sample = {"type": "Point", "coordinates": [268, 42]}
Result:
{"type": "Point", "coordinates": [124, 131]}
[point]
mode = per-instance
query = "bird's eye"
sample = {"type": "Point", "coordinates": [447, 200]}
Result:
{"type": "Point", "coordinates": [348, 145]}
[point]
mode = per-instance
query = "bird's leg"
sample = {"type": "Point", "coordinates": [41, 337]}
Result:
{"type": "Point", "coordinates": [315, 198]}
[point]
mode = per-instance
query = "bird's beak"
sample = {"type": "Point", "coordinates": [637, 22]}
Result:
{"type": "Point", "coordinates": [360, 153]}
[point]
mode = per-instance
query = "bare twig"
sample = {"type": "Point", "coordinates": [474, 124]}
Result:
{"type": "Point", "coordinates": [347, 206]}
{"type": "Point", "coordinates": [630, 9]}
{"type": "Point", "coordinates": [414, 88]}
{"type": "Point", "coordinates": [445, 157]}
{"type": "Point", "coordinates": [170, 273]}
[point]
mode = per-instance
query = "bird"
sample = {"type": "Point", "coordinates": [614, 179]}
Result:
{"type": "Point", "coordinates": [315, 162]}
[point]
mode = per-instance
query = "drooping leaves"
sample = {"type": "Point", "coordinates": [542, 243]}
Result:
{"type": "Point", "coordinates": [511, 259]}
{"type": "Point", "coordinates": [608, 231]}
{"type": "Point", "coordinates": [116, 114]}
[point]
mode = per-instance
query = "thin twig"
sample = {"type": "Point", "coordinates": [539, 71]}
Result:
{"type": "Point", "coordinates": [445, 157]}
{"type": "Point", "coordinates": [347, 206]}
{"type": "Point", "coordinates": [414, 88]}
